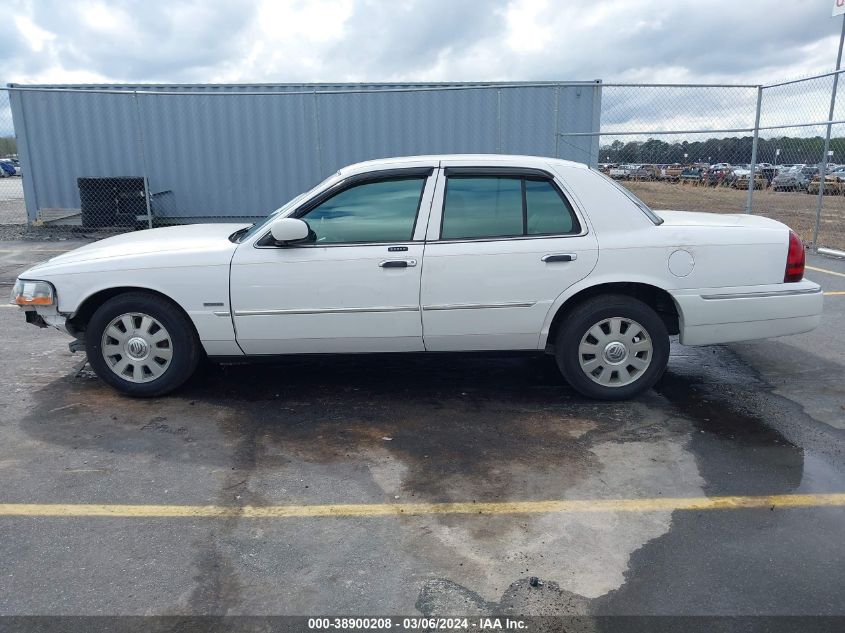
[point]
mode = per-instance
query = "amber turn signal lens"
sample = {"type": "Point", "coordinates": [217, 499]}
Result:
{"type": "Point", "coordinates": [35, 301]}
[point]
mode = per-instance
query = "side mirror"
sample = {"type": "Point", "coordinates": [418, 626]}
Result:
{"type": "Point", "coordinates": [288, 230]}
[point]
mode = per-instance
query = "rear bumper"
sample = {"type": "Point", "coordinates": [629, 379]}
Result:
{"type": "Point", "coordinates": [725, 315]}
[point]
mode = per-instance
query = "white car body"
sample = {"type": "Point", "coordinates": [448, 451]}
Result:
{"type": "Point", "coordinates": [724, 274]}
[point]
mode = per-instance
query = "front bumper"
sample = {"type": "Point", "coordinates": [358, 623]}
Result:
{"type": "Point", "coordinates": [45, 316]}
{"type": "Point", "coordinates": [725, 315]}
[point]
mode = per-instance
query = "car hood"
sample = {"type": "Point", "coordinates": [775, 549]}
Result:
{"type": "Point", "coordinates": [143, 248]}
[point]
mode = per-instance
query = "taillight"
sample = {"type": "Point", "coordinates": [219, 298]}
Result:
{"type": "Point", "coordinates": [794, 259]}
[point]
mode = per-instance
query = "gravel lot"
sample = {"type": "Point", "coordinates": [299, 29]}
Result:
{"type": "Point", "coordinates": [12, 209]}
{"type": "Point", "coordinates": [764, 418]}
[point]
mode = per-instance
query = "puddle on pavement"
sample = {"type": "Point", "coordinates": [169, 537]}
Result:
{"type": "Point", "coordinates": [737, 452]}
{"type": "Point", "coordinates": [379, 429]}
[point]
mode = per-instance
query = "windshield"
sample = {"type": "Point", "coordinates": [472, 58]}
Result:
{"type": "Point", "coordinates": [258, 227]}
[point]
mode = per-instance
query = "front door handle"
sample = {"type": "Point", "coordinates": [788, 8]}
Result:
{"type": "Point", "coordinates": [559, 257]}
{"type": "Point", "coordinates": [398, 263]}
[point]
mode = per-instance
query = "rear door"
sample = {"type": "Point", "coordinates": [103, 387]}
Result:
{"type": "Point", "coordinates": [502, 245]}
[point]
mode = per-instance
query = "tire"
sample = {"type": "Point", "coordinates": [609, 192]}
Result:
{"type": "Point", "coordinates": [142, 344]}
{"type": "Point", "coordinates": [622, 366]}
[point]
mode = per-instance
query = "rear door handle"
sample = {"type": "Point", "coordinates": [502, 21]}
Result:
{"type": "Point", "coordinates": [398, 263]}
{"type": "Point", "coordinates": [559, 257]}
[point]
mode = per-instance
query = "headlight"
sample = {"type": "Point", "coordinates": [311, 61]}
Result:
{"type": "Point", "coordinates": [33, 293]}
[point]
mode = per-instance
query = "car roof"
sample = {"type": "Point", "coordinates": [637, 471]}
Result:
{"type": "Point", "coordinates": [436, 159]}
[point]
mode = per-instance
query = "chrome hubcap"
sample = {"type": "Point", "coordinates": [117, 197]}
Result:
{"type": "Point", "coordinates": [137, 347]}
{"type": "Point", "coordinates": [615, 352]}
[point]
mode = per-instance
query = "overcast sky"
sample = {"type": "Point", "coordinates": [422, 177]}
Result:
{"type": "Point", "coordinates": [204, 41]}
{"type": "Point", "coordinates": [282, 41]}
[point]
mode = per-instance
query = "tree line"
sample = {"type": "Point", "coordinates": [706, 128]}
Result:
{"type": "Point", "coordinates": [8, 145]}
{"type": "Point", "coordinates": [735, 150]}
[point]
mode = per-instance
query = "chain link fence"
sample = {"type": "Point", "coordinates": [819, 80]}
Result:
{"type": "Point", "coordinates": [194, 156]}
{"type": "Point", "coordinates": [800, 149]}
{"type": "Point", "coordinates": [732, 149]}
{"type": "Point", "coordinates": [12, 208]}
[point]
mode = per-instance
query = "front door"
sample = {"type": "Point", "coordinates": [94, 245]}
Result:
{"type": "Point", "coordinates": [353, 286]}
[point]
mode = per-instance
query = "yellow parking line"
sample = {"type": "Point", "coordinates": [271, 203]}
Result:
{"type": "Point", "coordinates": [400, 509]}
{"type": "Point", "coordinates": [825, 270]}
{"type": "Point", "coordinates": [834, 293]}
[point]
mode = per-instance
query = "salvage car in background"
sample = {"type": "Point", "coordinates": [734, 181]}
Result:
{"type": "Point", "coordinates": [671, 172]}
{"type": "Point", "coordinates": [644, 172]}
{"type": "Point", "coordinates": [790, 180]}
{"type": "Point", "coordinates": [691, 175]}
{"type": "Point", "coordinates": [834, 183]}
{"type": "Point", "coordinates": [743, 178]}
{"type": "Point", "coordinates": [7, 169]}
{"type": "Point", "coordinates": [719, 175]}
{"type": "Point", "coordinates": [621, 172]}
{"type": "Point", "coordinates": [436, 254]}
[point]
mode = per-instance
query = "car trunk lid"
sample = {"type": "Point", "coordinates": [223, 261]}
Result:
{"type": "Point", "coordinates": [698, 218]}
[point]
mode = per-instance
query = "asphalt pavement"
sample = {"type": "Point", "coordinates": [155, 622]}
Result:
{"type": "Point", "coordinates": [718, 492]}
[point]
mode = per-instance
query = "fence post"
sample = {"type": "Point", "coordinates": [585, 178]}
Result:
{"type": "Point", "coordinates": [143, 159]}
{"type": "Point", "coordinates": [823, 170]}
{"type": "Point", "coordinates": [499, 121]}
{"type": "Point", "coordinates": [317, 142]}
{"type": "Point", "coordinates": [557, 121]}
{"type": "Point", "coordinates": [750, 200]}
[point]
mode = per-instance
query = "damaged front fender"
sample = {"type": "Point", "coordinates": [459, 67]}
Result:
{"type": "Point", "coordinates": [47, 316]}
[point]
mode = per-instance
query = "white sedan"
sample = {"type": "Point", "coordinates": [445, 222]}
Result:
{"type": "Point", "coordinates": [434, 254]}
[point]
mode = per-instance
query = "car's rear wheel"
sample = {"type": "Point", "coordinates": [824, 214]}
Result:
{"type": "Point", "coordinates": [142, 344]}
{"type": "Point", "coordinates": [612, 347]}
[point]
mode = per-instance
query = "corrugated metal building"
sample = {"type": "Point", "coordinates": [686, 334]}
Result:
{"type": "Point", "coordinates": [239, 151]}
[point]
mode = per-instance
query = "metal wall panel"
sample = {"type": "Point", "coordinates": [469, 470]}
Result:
{"type": "Point", "coordinates": [232, 156]}
{"type": "Point", "coordinates": [218, 152]}
{"type": "Point", "coordinates": [362, 126]}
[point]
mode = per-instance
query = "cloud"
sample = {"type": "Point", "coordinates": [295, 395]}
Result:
{"type": "Point", "coordinates": [407, 40]}
{"type": "Point", "coordinates": [122, 41]}
{"type": "Point", "coordinates": [271, 41]}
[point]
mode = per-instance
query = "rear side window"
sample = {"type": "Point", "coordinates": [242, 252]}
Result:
{"type": "Point", "coordinates": [482, 207]}
{"type": "Point", "coordinates": [504, 206]}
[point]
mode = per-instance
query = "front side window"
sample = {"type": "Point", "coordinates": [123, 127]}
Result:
{"type": "Point", "coordinates": [504, 206]}
{"type": "Point", "coordinates": [379, 211]}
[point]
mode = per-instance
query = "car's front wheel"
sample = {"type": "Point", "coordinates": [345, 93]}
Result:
{"type": "Point", "coordinates": [141, 344]}
{"type": "Point", "coordinates": [612, 347]}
